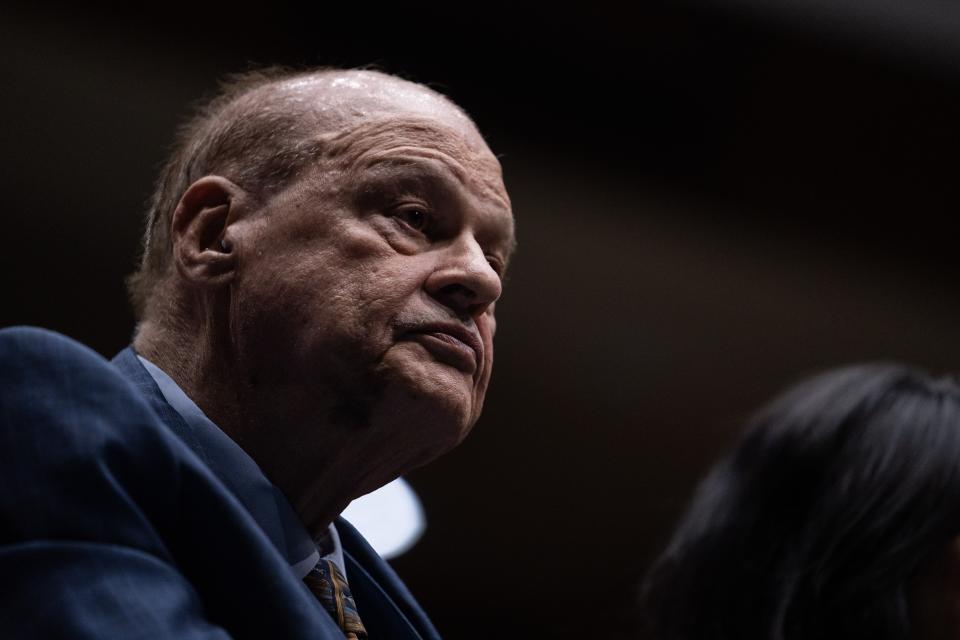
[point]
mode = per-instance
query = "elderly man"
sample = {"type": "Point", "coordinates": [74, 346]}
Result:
{"type": "Point", "coordinates": [315, 305]}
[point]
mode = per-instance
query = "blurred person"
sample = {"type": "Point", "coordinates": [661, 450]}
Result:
{"type": "Point", "coordinates": [315, 318]}
{"type": "Point", "coordinates": [836, 516]}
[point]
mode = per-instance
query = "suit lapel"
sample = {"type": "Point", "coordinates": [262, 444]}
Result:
{"type": "Point", "coordinates": [131, 367]}
{"type": "Point", "coordinates": [386, 605]}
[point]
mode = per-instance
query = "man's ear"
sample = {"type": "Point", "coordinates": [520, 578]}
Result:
{"type": "Point", "coordinates": [203, 250]}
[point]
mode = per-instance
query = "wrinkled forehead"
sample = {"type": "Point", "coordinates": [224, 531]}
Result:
{"type": "Point", "coordinates": [405, 139]}
{"type": "Point", "coordinates": [365, 117]}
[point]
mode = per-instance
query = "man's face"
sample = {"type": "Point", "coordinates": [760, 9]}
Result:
{"type": "Point", "coordinates": [369, 284]}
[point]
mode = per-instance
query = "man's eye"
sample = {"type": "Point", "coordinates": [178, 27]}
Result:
{"type": "Point", "coordinates": [414, 217]}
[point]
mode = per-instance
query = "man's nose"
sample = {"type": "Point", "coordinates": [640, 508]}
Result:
{"type": "Point", "coordinates": [464, 280]}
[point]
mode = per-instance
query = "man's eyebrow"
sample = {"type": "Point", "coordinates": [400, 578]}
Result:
{"type": "Point", "coordinates": [425, 172]}
{"type": "Point", "coordinates": [396, 178]}
{"type": "Point", "coordinates": [413, 156]}
{"type": "Point", "coordinates": [435, 167]}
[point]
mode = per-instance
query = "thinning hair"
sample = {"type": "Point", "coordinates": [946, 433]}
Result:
{"type": "Point", "coordinates": [816, 522]}
{"type": "Point", "coordinates": [251, 133]}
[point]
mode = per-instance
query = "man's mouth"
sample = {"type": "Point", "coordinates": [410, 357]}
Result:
{"type": "Point", "coordinates": [449, 343]}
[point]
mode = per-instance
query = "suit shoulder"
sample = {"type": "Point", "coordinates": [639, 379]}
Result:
{"type": "Point", "coordinates": [38, 366]}
{"type": "Point", "coordinates": [74, 434]}
{"type": "Point", "coordinates": [56, 388]}
{"type": "Point", "coordinates": [50, 383]}
{"type": "Point", "coordinates": [24, 349]}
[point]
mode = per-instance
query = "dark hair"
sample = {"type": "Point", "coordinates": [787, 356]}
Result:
{"type": "Point", "coordinates": [813, 526]}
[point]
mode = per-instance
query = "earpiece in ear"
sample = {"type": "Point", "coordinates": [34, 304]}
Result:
{"type": "Point", "coordinates": [225, 246]}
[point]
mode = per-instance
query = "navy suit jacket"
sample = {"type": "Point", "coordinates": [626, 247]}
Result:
{"type": "Point", "coordinates": [111, 527]}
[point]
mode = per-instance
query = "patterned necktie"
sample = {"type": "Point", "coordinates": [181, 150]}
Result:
{"type": "Point", "coordinates": [329, 585]}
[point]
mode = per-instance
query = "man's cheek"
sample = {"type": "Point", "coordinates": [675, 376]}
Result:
{"type": "Point", "coordinates": [492, 322]}
{"type": "Point", "coordinates": [487, 325]}
{"type": "Point", "coordinates": [487, 328]}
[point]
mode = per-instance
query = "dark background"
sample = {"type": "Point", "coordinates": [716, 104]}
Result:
{"type": "Point", "coordinates": [713, 200]}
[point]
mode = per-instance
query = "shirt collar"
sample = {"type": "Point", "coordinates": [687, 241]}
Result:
{"type": "Point", "coordinates": [269, 507]}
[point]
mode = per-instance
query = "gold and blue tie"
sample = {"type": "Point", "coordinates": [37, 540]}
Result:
{"type": "Point", "coordinates": [329, 586]}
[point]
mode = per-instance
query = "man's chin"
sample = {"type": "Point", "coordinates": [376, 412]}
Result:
{"type": "Point", "coordinates": [434, 401]}
{"type": "Point", "coordinates": [413, 366]}
{"type": "Point", "coordinates": [426, 420]}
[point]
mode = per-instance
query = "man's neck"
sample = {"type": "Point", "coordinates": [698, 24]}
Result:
{"type": "Point", "coordinates": [190, 359]}
{"type": "Point", "coordinates": [319, 476]}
